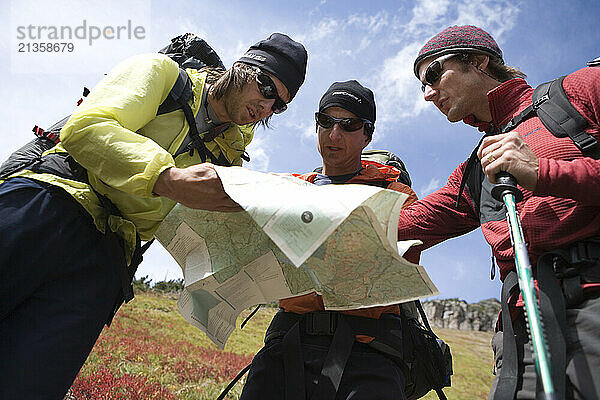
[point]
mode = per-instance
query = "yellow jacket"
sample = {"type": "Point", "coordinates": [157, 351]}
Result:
{"type": "Point", "coordinates": [117, 137]}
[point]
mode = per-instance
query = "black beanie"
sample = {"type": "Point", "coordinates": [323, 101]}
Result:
{"type": "Point", "coordinates": [351, 96]}
{"type": "Point", "coordinates": [282, 57]}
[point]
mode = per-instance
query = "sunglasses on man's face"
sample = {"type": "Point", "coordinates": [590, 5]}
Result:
{"type": "Point", "coordinates": [347, 124]}
{"type": "Point", "coordinates": [434, 70]}
{"type": "Point", "coordinates": [268, 90]}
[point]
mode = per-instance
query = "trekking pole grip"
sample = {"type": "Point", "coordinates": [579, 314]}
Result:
{"type": "Point", "coordinates": [506, 184]}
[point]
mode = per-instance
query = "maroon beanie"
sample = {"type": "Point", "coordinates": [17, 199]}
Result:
{"type": "Point", "coordinates": [454, 39]}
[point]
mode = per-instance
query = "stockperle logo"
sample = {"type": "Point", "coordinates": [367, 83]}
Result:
{"type": "Point", "coordinates": [76, 37]}
{"type": "Point", "coordinates": [83, 31]}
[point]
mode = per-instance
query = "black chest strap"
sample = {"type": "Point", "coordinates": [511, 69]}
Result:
{"type": "Point", "coordinates": [469, 168]}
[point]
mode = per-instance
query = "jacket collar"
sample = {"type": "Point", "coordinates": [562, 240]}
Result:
{"type": "Point", "coordinates": [505, 100]}
{"type": "Point", "coordinates": [372, 172]}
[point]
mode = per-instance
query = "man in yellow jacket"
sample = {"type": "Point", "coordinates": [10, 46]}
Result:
{"type": "Point", "coordinates": [71, 223]}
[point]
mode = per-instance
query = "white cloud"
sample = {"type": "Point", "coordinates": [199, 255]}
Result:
{"type": "Point", "coordinates": [432, 185]}
{"type": "Point", "coordinates": [308, 132]}
{"type": "Point", "coordinates": [233, 53]}
{"type": "Point", "coordinates": [159, 265]}
{"type": "Point", "coordinates": [372, 23]}
{"type": "Point", "coordinates": [259, 155]}
{"type": "Point", "coordinates": [268, 141]}
{"type": "Point", "coordinates": [460, 271]}
{"type": "Point", "coordinates": [326, 28]}
{"type": "Point", "coordinates": [305, 130]}
{"type": "Point", "coordinates": [183, 25]}
{"type": "Point", "coordinates": [427, 14]}
{"type": "Point", "coordinates": [495, 17]}
{"type": "Point", "coordinates": [348, 36]}
{"type": "Point", "coordinates": [396, 88]}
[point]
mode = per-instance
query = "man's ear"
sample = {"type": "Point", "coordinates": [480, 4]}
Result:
{"type": "Point", "coordinates": [481, 61]}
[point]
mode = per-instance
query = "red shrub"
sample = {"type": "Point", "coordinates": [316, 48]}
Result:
{"type": "Point", "coordinates": [104, 384]}
{"type": "Point", "coordinates": [129, 340]}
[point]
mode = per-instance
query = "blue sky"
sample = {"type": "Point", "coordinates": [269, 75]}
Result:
{"type": "Point", "coordinates": [374, 42]}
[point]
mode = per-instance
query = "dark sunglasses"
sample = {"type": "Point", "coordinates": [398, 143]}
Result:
{"type": "Point", "coordinates": [433, 73]}
{"type": "Point", "coordinates": [347, 124]}
{"type": "Point", "coordinates": [268, 90]}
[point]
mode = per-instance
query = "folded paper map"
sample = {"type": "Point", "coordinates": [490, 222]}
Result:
{"type": "Point", "coordinates": [292, 238]}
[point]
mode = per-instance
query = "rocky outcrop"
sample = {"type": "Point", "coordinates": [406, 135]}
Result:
{"type": "Point", "coordinates": [458, 314]}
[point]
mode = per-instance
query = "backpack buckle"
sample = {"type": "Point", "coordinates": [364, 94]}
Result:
{"type": "Point", "coordinates": [585, 252]}
{"type": "Point", "coordinates": [539, 101]}
{"type": "Point", "coordinates": [586, 143]}
{"type": "Point", "coordinates": [320, 323]}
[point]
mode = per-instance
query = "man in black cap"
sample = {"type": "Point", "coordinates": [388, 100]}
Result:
{"type": "Point", "coordinates": [71, 223]}
{"type": "Point", "coordinates": [462, 72]}
{"type": "Point", "coordinates": [305, 355]}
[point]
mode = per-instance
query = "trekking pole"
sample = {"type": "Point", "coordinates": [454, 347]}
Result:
{"type": "Point", "coordinates": [506, 190]}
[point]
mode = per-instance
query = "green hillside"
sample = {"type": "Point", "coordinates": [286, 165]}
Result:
{"type": "Point", "coordinates": [151, 352]}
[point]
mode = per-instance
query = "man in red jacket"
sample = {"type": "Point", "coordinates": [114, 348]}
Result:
{"type": "Point", "coordinates": [463, 73]}
{"type": "Point", "coordinates": [303, 345]}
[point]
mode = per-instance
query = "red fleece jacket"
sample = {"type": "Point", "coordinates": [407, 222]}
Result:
{"type": "Point", "coordinates": [564, 208]}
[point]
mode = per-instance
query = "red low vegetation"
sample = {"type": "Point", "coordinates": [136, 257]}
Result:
{"type": "Point", "coordinates": [104, 384]}
{"type": "Point", "coordinates": [136, 340]}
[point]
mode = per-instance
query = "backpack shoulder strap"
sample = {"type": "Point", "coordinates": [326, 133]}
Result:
{"type": "Point", "coordinates": [178, 98]}
{"type": "Point", "coordinates": [180, 94]}
{"type": "Point", "coordinates": [560, 117]}
{"type": "Point", "coordinates": [594, 63]}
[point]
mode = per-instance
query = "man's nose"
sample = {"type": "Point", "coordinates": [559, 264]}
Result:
{"type": "Point", "coordinates": [429, 93]}
{"type": "Point", "coordinates": [336, 132]}
{"type": "Point", "coordinates": [266, 107]}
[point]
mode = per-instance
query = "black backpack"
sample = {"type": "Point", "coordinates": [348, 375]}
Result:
{"type": "Point", "coordinates": [188, 50]}
{"type": "Point", "coordinates": [424, 358]}
{"type": "Point", "coordinates": [428, 357]}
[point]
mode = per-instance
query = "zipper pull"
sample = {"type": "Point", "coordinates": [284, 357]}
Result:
{"type": "Point", "coordinates": [493, 270]}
